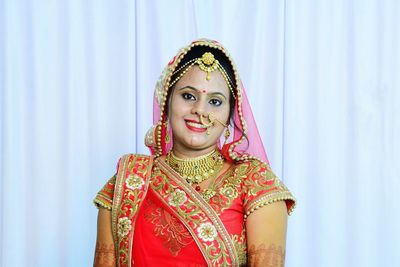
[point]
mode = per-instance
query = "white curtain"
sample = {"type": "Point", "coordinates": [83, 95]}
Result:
{"type": "Point", "coordinates": [77, 78]}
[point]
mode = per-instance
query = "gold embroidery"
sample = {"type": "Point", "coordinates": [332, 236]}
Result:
{"type": "Point", "coordinates": [105, 195]}
{"type": "Point", "coordinates": [128, 196]}
{"type": "Point", "coordinates": [207, 232]}
{"type": "Point", "coordinates": [227, 191]}
{"type": "Point", "coordinates": [173, 233]}
{"type": "Point", "coordinates": [261, 178]}
{"type": "Point", "coordinates": [218, 249]}
{"type": "Point", "coordinates": [134, 182]}
{"type": "Point", "coordinates": [176, 198]}
{"type": "Point", "coordinates": [124, 226]}
{"type": "Point", "coordinates": [240, 242]}
{"type": "Point", "coordinates": [102, 203]}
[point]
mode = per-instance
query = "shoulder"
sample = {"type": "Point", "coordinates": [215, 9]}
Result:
{"type": "Point", "coordinates": [255, 175]}
{"type": "Point", "coordinates": [134, 156]}
{"type": "Point", "coordinates": [252, 169]}
{"type": "Point", "coordinates": [260, 185]}
{"type": "Point", "coordinates": [126, 160]}
{"type": "Point", "coordinates": [131, 167]}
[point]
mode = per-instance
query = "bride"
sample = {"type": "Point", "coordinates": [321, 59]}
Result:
{"type": "Point", "coordinates": [206, 196]}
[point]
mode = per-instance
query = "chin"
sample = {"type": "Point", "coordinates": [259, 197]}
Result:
{"type": "Point", "coordinates": [197, 143]}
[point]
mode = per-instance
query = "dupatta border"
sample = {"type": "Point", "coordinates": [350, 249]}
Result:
{"type": "Point", "coordinates": [206, 212]}
{"type": "Point", "coordinates": [130, 190]}
{"type": "Point", "coordinates": [118, 195]}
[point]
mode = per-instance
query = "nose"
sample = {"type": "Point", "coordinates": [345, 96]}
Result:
{"type": "Point", "coordinates": [199, 108]}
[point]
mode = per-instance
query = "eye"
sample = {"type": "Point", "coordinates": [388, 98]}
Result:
{"type": "Point", "coordinates": [188, 96]}
{"type": "Point", "coordinates": [215, 102]}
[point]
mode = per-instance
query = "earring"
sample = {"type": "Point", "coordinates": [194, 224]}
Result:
{"type": "Point", "coordinates": [167, 138]}
{"type": "Point", "coordinates": [227, 133]}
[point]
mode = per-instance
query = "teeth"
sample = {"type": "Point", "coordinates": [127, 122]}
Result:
{"type": "Point", "coordinates": [197, 125]}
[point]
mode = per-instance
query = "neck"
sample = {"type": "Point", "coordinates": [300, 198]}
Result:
{"type": "Point", "coordinates": [185, 153]}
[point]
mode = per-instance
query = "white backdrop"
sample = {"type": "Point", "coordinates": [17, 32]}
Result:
{"type": "Point", "coordinates": [77, 78]}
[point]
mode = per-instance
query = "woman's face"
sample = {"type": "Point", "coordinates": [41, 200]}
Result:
{"type": "Point", "coordinates": [194, 96]}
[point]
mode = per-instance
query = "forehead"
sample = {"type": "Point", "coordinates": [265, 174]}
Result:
{"type": "Point", "coordinates": [197, 78]}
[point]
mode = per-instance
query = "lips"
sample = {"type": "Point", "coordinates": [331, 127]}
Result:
{"type": "Point", "coordinates": [195, 126]}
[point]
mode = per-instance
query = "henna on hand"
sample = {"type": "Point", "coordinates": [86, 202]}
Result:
{"type": "Point", "coordinates": [273, 256]}
{"type": "Point", "coordinates": [104, 255]}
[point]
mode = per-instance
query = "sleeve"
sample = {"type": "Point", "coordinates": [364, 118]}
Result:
{"type": "Point", "coordinates": [262, 187]}
{"type": "Point", "coordinates": [104, 197]}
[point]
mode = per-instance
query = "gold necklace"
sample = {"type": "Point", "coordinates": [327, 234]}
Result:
{"type": "Point", "coordinates": [199, 169]}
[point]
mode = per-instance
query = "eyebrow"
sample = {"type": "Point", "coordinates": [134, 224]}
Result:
{"type": "Point", "coordinates": [197, 90]}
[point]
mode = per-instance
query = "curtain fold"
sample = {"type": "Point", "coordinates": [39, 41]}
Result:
{"type": "Point", "coordinates": [76, 88]}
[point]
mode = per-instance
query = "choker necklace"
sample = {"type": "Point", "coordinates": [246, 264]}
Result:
{"type": "Point", "coordinates": [199, 169]}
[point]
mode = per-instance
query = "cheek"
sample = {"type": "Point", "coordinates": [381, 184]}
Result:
{"type": "Point", "coordinates": [177, 111]}
{"type": "Point", "coordinates": [225, 115]}
{"type": "Point", "coordinates": [174, 106]}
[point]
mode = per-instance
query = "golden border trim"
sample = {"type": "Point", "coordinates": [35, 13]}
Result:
{"type": "Point", "coordinates": [124, 165]}
{"type": "Point", "coordinates": [140, 202]}
{"type": "Point", "coordinates": [102, 202]}
{"type": "Point", "coordinates": [267, 199]}
{"type": "Point", "coordinates": [118, 191]}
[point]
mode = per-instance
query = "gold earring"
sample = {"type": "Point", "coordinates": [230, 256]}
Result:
{"type": "Point", "coordinates": [227, 133]}
{"type": "Point", "coordinates": [167, 138]}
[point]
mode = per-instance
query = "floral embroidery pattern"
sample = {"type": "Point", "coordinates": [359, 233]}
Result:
{"type": "Point", "coordinates": [124, 226]}
{"type": "Point", "coordinates": [240, 242]}
{"type": "Point", "coordinates": [104, 197]}
{"type": "Point", "coordinates": [134, 182]}
{"type": "Point", "coordinates": [244, 188]}
{"type": "Point", "coordinates": [177, 198]}
{"type": "Point", "coordinates": [215, 246]}
{"type": "Point", "coordinates": [207, 232]}
{"type": "Point", "coordinates": [262, 187]}
{"type": "Point", "coordinates": [174, 234]}
{"type": "Point", "coordinates": [132, 172]}
{"type": "Point", "coordinates": [229, 191]}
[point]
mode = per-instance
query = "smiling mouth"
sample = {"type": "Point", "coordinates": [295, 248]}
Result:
{"type": "Point", "coordinates": [195, 126]}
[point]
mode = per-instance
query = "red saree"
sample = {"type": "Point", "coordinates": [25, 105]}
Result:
{"type": "Point", "coordinates": [158, 219]}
